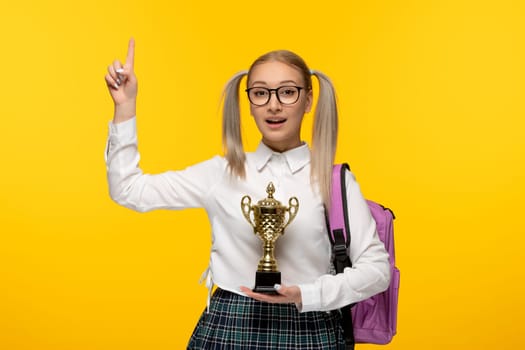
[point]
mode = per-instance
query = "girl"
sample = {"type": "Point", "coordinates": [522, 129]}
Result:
{"type": "Point", "coordinates": [300, 316]}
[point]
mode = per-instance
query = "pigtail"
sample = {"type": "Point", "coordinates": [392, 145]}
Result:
{"type": "Point", "coordinates": [324, 137]}
{"type": "Point", "coordinates": [231, 126]}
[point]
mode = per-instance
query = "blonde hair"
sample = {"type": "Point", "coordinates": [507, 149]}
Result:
{"type": "Point", "coordinates": [324, 135]}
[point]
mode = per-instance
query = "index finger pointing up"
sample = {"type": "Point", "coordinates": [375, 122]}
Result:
{"type": "Point", "coordinates": [131, 53]}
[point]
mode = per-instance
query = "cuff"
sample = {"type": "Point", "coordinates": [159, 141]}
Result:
{"type": "Point", "coordinates": [311, 297]}
{"type": "Point", "coordinates": [119, 133]}
{"type": "Point", "coordinates": [123, 129]}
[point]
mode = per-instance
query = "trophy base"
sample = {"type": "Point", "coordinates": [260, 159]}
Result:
{"type": "Point", "coordinates": [265, 281]}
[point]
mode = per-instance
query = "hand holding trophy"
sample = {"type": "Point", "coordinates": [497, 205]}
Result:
{"type": "Point", "coordinates": [268, 222]}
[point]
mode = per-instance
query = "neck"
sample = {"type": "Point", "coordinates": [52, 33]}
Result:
{"type": "Point", "coordinates": [282, 147]}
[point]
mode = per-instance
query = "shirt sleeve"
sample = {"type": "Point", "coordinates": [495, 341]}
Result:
{"type": "Point", "coordinates": [370, 271]}
{"type": "Point", "coordinates": [130, 187]}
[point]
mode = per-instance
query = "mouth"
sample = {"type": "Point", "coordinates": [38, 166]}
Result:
{"type": "Point", "coordinates": [275, 121]}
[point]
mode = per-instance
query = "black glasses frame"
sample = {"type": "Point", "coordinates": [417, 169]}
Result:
{"type": "Point", "coordinates": [276, 90]}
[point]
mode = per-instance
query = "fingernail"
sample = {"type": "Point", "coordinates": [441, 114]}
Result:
{"type": "Point", "coordinates": [277, 286]}
{"type": "Point", "coordinates": [116, 86]}
{"type": "Point", "coordinates": [120, 70]}
{"type": "Point", "coordinates": [118, 81]}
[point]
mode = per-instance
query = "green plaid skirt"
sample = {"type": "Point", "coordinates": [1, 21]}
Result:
{"type": "Point", "coordinates": [237, 322]}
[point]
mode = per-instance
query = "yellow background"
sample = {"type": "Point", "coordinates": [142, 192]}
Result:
{"type": "Point", "coordinates": [432, 120]}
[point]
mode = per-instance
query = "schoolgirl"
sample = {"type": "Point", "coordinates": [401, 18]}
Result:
{"type": "Point", "coordinates": [301, 315]}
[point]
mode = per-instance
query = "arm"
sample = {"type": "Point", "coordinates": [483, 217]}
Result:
{"type": "Point", "coordinates": [128, 185]}
{"type": "Point", "coordinates": [369, 275]}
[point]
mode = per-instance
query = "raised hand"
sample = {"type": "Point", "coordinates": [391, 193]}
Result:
{"type": "Point", "coordinates": [122, 85]}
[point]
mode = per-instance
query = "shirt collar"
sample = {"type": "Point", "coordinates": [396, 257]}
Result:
{"type": "Point", "coordinates": [296, 158]}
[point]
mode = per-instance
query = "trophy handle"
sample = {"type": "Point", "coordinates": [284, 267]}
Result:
{"type": "Point", "coordinates": [292, 210]}
{"type": "Point", "coordinates": [246, 207]}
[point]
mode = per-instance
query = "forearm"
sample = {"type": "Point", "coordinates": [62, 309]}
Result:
{"type": "Point", "coordinates": [122, 159]}
{"type": "Point", "coordinates": [125, 111]}
{"type": "Point", "coordinates": [355, 284]}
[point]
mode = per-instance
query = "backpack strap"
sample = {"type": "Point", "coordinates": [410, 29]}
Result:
{"type": "Point", "coordinates": [338, 224]}
{"type": "Point", "coordinates": [339, 234]}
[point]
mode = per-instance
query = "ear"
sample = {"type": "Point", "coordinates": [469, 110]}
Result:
{"type": "Point", "coordinates": [309, 101]}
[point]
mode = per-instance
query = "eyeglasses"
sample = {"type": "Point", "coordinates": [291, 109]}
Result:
{"type": "Point", "coordinates": [286, 95]}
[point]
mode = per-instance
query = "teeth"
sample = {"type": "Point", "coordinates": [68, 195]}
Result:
{"type": "Point", "coordinates": [275, 121]}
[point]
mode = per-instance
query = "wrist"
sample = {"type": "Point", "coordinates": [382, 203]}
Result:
{"type": "Point", "coordinates": [124, 111]}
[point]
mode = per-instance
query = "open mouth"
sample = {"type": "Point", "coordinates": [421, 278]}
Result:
{"type": "Point", "coordinates": [275, 121]}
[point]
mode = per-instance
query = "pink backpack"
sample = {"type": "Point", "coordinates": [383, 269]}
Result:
{"type": "Point", "coordinates": [373, 320]}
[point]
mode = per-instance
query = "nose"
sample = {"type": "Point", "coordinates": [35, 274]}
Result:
{"type": "Point", "coordinates": [274, 104]}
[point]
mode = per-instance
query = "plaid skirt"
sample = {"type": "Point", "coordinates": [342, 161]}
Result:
{"type": "Point", "coordinates": [238, 322]}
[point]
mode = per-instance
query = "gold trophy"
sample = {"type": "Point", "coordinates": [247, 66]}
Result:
{"type": "Point", "coordinates": [268, 222]}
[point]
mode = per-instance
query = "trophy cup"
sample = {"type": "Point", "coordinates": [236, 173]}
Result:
{"type": "Point", "coordinates": [268, 222]}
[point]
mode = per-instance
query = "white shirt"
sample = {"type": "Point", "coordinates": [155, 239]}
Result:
{"type": "Point", "coordinates": [302, 253]}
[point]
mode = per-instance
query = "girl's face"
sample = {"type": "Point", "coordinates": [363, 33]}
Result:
{"type": "Point", "coordinates": [279, 123]}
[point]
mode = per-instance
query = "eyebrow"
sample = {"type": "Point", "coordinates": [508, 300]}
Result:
{"type": "Point", "coordinates": [264, 83]}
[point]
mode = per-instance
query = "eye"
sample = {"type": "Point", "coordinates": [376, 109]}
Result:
{"type": "Point", "coordinates": [288, 91]}
{"type": "Point", "coordinates": [259, 92]}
